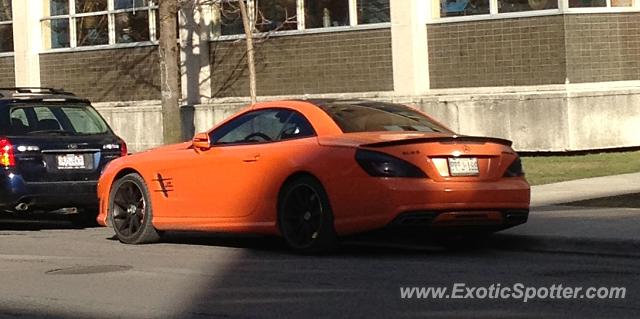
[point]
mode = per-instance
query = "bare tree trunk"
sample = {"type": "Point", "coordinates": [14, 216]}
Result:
{"type": "Point", "coordinates": [248, 31]}
{"type": "Point", "coordinates": [169, 72]}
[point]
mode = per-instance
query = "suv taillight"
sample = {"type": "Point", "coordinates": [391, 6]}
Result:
{"type": "Point", "coordinates": [123, 148]}
{"type": "Point", "coordinates": [7, 159]}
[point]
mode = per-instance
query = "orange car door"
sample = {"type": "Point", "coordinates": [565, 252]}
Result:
{"type": "Point", "coordinates": [228, 177]}
{"type": "Point", "coordinates": [225, 184]}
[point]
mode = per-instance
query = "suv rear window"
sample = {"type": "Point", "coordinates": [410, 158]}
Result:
{"type": "Point", "coordinates": [45, 119]}
{"type": "Point", "coordinates": [365, 116]}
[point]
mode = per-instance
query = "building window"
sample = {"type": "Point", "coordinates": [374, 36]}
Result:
{"type": "Point", "coordinates": [373, 11]}
{"type": "Point", "coordinates": [587, 3]}
{"type": "Point", "coordinates": [6, 27]}
{"type": "Point", "coordinates": [132, 21]}
{"type": "Point", "coordinates": [599, 3]}
{"type": "Point", "coordinates": [526, 5]}
{"type": "Point", "coordinates": [326, 13]}
{"type": "Point", "coordinates": [621, 3]}
{"type": "Point", "coordinates": [80, 23]}
{"type": "Point", "coordinates": [282, 15]}
{"type": "Point", "coordinates": [452, 8]}
{"type": "Point", "coordinates": [275, 15]}
{"type": "Point", "coordinates": [92, 28]}
{"type": "Point", "coordinates": [56, 29]}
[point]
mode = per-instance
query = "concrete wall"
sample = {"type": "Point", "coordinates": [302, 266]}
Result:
{"type": "Point", "coordinates": [7, 72]}
{"type": "Point", "coordinates": [350, 61]}
{"type": "Point", "coordinates": [553, 118]}
{"type": "Point", "coordinates": [537, 118]}
{"type": "Point", "coordinates": [138, 123]}
{"type": "Point", "coordinates": [126, 74]}
{"type": "Point", "coordinates": [534, 121]}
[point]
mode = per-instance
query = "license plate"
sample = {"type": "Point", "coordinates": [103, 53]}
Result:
{"type": "Point", "coordinates": [71, 161]}
{"type": "Point", "coordinates": [463, 166]}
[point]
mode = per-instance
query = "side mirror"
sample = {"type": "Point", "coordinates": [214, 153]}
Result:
{"type": "Point", "coordinates": [201, 141]}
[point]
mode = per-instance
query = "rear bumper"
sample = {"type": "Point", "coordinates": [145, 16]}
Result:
{"type": "Point", "coordinates": [492, 205]}
{"type": "Point", "coordinates": [45, 195]}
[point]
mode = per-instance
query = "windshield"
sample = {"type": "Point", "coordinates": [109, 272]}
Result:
{"type": "Point", "coordinates": [365, 116]}
{"type": "Point", "coordinates": [80, 119]}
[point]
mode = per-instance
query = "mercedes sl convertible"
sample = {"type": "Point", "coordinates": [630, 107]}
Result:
{"type": "Point", "coordinates": [314, 170]}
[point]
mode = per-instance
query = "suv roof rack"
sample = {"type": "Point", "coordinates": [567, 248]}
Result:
{"type": "Point", "coordinates": [35, 90]}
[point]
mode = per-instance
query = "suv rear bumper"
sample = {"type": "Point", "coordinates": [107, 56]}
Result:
{"type": "Point", "coordinates": [44, 195]}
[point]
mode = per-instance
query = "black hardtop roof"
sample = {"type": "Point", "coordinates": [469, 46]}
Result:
{"type": "Point", "coordinates": [328, 103]}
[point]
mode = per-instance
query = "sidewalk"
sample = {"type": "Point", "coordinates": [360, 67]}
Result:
{"type": "Point", "coordinates": [571, 191]}
{"type": "Point", "coordinates": [599, 230]}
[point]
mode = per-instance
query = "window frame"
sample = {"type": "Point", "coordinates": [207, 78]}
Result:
{"type": "Point", "coordinates": [279, 139]}
{"type": "Point", "coordinates": [72, 18]}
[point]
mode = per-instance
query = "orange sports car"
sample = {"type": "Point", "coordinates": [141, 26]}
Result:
{"type": "Point", "coordinates": [313, 170]}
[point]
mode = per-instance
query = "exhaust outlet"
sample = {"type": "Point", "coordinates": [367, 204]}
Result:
{"type": "Point", "coordinates": [21, 207]}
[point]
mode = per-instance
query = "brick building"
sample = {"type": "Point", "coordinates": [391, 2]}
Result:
{"type": "Point", "coordinates": [552, 75]}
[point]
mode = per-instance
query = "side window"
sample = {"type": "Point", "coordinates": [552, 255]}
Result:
{"type": "Point", "coordinates": [254, 127]}
{"type": "Point", "coordinates": [19, 123]}
{"type": "Point", "coordinates": [19, 117]}
{"type": "Point", "coordinates": [82, 121]}
{"type": "Point", "coordinates": [297, 127]}
{"type": "Point", "coordinates": [46, 119]}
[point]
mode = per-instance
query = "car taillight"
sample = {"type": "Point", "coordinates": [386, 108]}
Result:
{"type": "Point", "coordinates": [7, 159]}
{"type": "Point", "coordinates": [515, 169]}
{"type": "Point", "coordinates": [379, 164]}
{"type": "Point", "coordinates": [123, 148]}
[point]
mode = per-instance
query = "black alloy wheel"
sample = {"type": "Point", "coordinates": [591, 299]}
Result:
{"type": "Point", "coordinates": [130, 211]}
{"type": "Point", "coordinates": [305, 217]}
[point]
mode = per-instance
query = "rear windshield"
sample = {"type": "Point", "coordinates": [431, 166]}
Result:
{"type": "Point", "coordinates": [33, 119]}
{"type": "Point", "coordinates": [363, 116]}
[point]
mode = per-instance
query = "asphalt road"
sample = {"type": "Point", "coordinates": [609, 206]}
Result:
{"type": "Point", "coordinates": [50, 270]}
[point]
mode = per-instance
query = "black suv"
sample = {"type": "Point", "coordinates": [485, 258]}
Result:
{"type": "Point", "coordinates": [53, 147]}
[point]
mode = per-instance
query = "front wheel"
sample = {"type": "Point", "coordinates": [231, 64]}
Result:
{"type": "Point", "coordinates": [305, 217]}
{"type": "Point", "coordinates": [130, 211]}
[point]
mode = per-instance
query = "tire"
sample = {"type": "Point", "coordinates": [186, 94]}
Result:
{"type": "Point", "coordinates": [130, 211]}
{"type": "Point", "coordinates": [86, 217]}
{"type": "Point", "coordinates": [305, 218]}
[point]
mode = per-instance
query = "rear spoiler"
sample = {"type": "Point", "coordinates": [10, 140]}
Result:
{"type": "Point", "coordinates": [455, 139]}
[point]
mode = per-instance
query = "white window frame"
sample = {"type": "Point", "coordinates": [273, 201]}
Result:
{"type": "Point", "coordinates": [111, 12]}
{"type": "Point", "coordinates": [300, 18]}
{"type": "Point", "coordinates": [563, 8]}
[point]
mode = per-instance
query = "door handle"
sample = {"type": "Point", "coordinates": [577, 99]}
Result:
{"type": "Point", "coordinates": [252, 158]}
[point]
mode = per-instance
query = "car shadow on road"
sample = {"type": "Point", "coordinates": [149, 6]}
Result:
{"type": "Point", "coordinates": [378, 243]}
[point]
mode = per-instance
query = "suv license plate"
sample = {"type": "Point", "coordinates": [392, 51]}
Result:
{"type": "Point", "coordinates": [463, 166]}
{"type": "Point", "coordinates": [71, 161]}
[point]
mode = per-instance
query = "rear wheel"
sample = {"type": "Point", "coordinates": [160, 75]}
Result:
{"type": "Point", "coordinates": [304, 216]}
{"type": "Point", "coordinates": [130, 211]}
